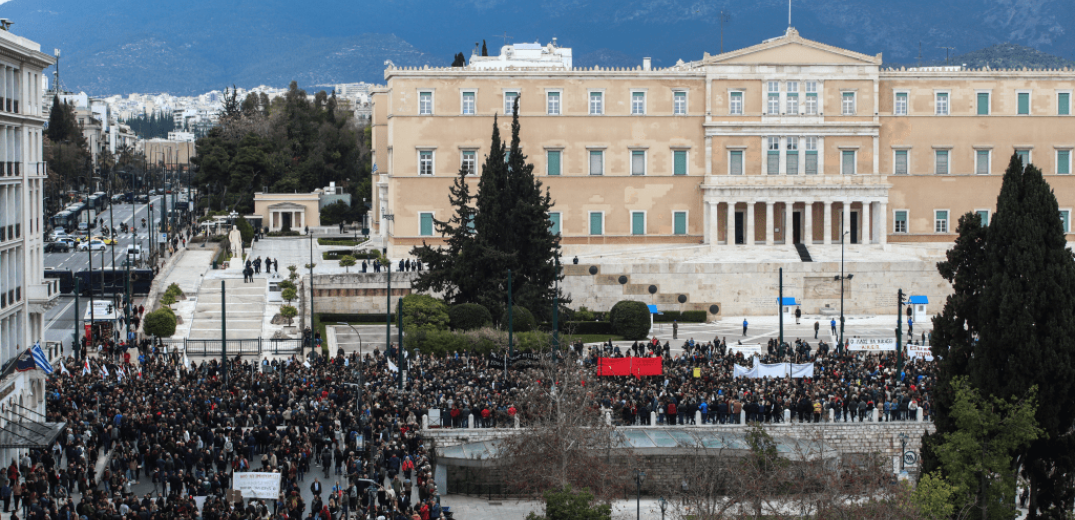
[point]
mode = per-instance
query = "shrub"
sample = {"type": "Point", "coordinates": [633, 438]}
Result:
{"type": "Point", "coordinates": [245, 230]}
{"type": "Point", "coordinates": [630, 319]}
{"type": "Point", "coordinates": [286, 284]}
{"type": "Point", "coordinates": [159, 323]}
{"type": "Point", "coordinates": [289, 294]}
{"type": "Point", "coordinates": [583, 314]}
{"type": "Point", "coordinates": [478, 342]}
{"type": "Point", "coordinates": [174, 291]}
{"type": "Point", "coordinates": [682, 317]}
{"type": "Point", "coordinates": [423, 312]}
{"type": "Point", "coordinates": [288, 312]}
{"type": "Point", "coordinates": [469, 316]}
{"type": "Point", "coordinates": [588, 327]}
{"type": "Point", "coordinates": [355, 318]}
{"type": "Point", "coordinates": [347, 261]}
{"type": "Point", "coordinates": [521, 319]}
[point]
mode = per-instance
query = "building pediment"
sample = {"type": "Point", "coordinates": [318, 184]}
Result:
{"type": "Point", "coordinates": [287, 206]}
{"type": "Point", "coordinates": [792, 49]}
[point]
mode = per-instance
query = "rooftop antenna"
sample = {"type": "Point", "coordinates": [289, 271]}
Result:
{"type": "Point", "coordinates": [920, 53]}
{"type": "Point", "coordinates": [946, 50]}
{"type": "Point", "coordinates": [789, 13]}
{"type": "Point", "coordinates": [505, 37]}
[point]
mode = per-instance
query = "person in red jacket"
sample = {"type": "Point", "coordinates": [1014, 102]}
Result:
{"type": "Point", "coordinates": [670, 413]}
{"type": "Point", "coordinates": [486, 417]}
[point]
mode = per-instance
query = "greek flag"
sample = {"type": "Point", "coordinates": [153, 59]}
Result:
{"type": "Point", "coordinates": [40, 360]}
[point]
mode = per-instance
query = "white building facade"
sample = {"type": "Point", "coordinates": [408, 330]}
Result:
{"type": "Point", "coordinates": [24, 292]}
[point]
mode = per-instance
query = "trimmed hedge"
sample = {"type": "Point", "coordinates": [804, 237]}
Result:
{"type": "Point", "coordinates": [340, 241]}
{"type": "Point", "coordinates": [336, 254]}
{"type": "Point", "coordinates": [469, 316]}
{"type": "Point", "coordinates": [521, 319]}
{"type": "Point", "coordinates": [483, 341]}
{"type": "Point", "coordinates": [682, 317]}
{"type": "Point", "coordinates": [588, 327]}
{"type": "Point", "coordinates": [630, 319]}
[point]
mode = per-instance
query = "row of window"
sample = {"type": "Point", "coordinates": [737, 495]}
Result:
{"type": "Point", "coordinates": [554, 162]}
{"type": "Point", "coordinates": [597, 223]}
{"type": "Point", "coordinates": [983, 103]}
{"type": "Point", "coordinates": [553, 102]}
{"type": "Point", "coordinates": [983, 160]}
{"type": "Point", "coordinates": [941, 223]}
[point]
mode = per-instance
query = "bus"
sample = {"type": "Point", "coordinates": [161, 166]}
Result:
{"type": "Point", "coordinates": [65, 220]}
{"type": "Point", "coordinates": [96, 202]}
{"type": "Point", "coordinates": [66, 277]}
{"type": "Point", "coordinates": [112, 280]}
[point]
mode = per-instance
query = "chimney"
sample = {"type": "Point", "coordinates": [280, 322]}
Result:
{"type": "Point", "coordinates": [647, 64]}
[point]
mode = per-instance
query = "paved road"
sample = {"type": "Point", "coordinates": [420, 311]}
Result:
{"type": "Point", "coordinates": [60, 319]}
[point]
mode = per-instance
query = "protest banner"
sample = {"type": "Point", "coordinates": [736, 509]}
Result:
{"type": "Point", "coordinates": [257, 485]}
{"type": "Point", "coordinates": [919, 351]}
{"type": "Point", "coordinates": [873, 345]}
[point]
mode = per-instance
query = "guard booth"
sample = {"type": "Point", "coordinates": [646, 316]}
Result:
{"type": "Point", "coordinates": [918, 306]}
{"type": "Point", "coordinates": [652, 311]}
{"type": "Point", "coordinates": [788, 306]}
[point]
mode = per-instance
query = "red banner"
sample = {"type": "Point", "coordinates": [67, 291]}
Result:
{"type": "Point", "coordinates": [89, 334]}
{"type": "Point", "coordinates": [629, 366]}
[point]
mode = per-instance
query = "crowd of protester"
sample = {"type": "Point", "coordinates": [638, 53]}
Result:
{"type": "Point", "coordinates": [181, 427]}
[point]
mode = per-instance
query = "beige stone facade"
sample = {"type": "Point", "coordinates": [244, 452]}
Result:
{"type": "Point", "coordinates": [784, 142]}
{"type": "Point", "coordinates": [291, 210]}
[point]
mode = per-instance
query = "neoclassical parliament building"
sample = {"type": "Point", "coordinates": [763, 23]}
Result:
{"type": "Point", "coordinates": [789, 141]}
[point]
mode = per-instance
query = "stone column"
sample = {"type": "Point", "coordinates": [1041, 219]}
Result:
{"type": "Point", "coordinates": [826, 232]}
{"type": "Point", "coordinates": [769, 227]}
{"type": "Point", "coordinates": [867, 231]}
{"type": "Point", "coordinates": [730, 224]}
{"type": "Point", "coordinates": [845, 217]}
{"type": "Point", "coordinates": [714, 230]}
{"type": "Point", "coordinates": [882, 223]}
{"type": "Point", "coordinates": [750, 223]}
{"type": "Point", "coordinates": [808, 223]}
{"type": "Point", "coordinates": [789, 221]}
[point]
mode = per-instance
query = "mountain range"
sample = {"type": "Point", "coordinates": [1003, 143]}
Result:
{"type": "Point", "coordinates": [189, 47]}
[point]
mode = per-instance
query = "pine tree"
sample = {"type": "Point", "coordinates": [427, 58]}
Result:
{"type": "Point", "coordinates": [485, 51]}
{"type": "Point", "coordinates": [56, 130]}
{"type": "Point", "coordinates": [460, 60]}
{"type": "Point", "coordinates": [955, 329]}
{"type": "Point", "coordinates": [443, 264]}
{"type": "Point", "coordinates": [1027, 322]}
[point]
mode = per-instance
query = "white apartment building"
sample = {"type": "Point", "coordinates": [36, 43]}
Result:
{"type": "Point", "coordinates": [24, 292]}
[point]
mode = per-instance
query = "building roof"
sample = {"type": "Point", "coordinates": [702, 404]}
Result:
{"type": "Point", "coordinates": [788, 300]}
{"type": "Point", "coordinates": [792, 48]}
{"type": "Point", "coordinates": [918, 300]}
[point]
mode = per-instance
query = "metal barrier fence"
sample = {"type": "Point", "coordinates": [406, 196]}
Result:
{"type": "Point", "coordinates": [214, 347]}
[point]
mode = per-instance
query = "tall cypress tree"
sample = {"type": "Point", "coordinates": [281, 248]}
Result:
{"type": "Point", "coordinates": [534, 245]}
{"type": "Point", "coordinates": [485, 51]}
{"type": "Point", "coordinates": [56, 129]}
{"type": "Point", "coordinates": [955, 329]}
{"type": "Point", "coordinates": [1027, 322]}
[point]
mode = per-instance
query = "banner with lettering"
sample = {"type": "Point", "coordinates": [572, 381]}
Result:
{"type": "Point", "coordinates": [871, 345]}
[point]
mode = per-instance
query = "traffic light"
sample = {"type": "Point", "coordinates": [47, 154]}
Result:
{"type": "Point", "coordinates": [150, 207]}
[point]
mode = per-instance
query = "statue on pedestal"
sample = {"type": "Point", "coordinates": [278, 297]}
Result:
{"type": "Point", "coordinates": [235, 238]}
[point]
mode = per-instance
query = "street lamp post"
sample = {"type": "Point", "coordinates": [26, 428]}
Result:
{"type": "Point", "coordinates": [640, 476]}
{"type": "Point", "coordinates": [842, 278]}
{"type": "Point", "coordinates": [664, 506]}
{"type": "Point", "coordinates": [903, 443]}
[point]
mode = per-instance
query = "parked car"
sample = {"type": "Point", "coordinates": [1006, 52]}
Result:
{"type": "Point", "coordinates": [57, 247]}
{"type": "Point", "coordinates": [57, 232]}
{"type": "Point", "coordinates": [95, 245]}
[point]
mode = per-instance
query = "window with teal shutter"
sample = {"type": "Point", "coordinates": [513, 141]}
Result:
{"type": "Point", "coordinates": [983, 103]}
{"type": "Point", "coordinates": [1024, 156]}
{"type": "Point", "coordinates": [470, 224]}
{"type": "Point", "coordinates": [1024, 103]}
{"type": "Point", "coordinates": [849, 162]}
{"type": "Point", "coordinates": [679, 223]}
{"type": "Point", "coordinates": [679, 166]}
{"type": "Point", "coordinates": [554, 223]}
{"type": "Point", "coordinates": [1065, 219]}
{"type": "Point", "coordinates": [1063, 161]}
{"type": "Point", "coordinates": [984, 216]}
{"type": "Point", "coordinates": [1063, 104]}
{"type": "Point", "coordinates": [638, 223]}
{"type": "Point", "coordinates": [426, 224]}
{"type": "Point", "coordinates": [596, 224]}
{"type": "Point", "coordinates": [554, 162]}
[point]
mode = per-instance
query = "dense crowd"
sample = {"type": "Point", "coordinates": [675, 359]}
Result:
{"type": "Point", "coordinates": [182, 428]}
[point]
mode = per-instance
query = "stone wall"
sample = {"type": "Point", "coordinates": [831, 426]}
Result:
{"type": "Point", "coordinates": [750, 289]}
{"type": "Point", "coordinates": [359, 293]}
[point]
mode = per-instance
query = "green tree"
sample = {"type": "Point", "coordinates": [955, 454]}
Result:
{"type": "Point", "coordinates": [568, 504]}
{"type": "Point", "coordinates": [630, 319]}
{"type": "Point", "coordinates": [423, 312]}
{"type": "Point", "coordinates": [1027, 328]}
{"type": "Point", "coordinates": [289, 312]}
{"type": "Point", "coordinates": [469, 316]}
{"type": "Point", "coordinates": [977, 457]}
{"type": "Point", "coordinates": [485, 50]}
{"type": "Point", "coordinates": [957, 326]}
{"type": "Point", "coordinates": [290, 294]}
{"type": "Point", "coordinates": [934, 497]}
{"type": "Point", "coordinates": [522, 320]}
{"type": "Point", "coordinates": [347, 261]}
{"type": "Point", "coordinates": [160, 323]}
{"type": "Point", "coordinates": [246, 231]}
{"type": "Point", "coordinates": [459, 61]}
{"type": "Point", "coordinates": [336, 212]}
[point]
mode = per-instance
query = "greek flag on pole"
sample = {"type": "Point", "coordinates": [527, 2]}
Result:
{"type": "Point", "coordinates": [40, 360]}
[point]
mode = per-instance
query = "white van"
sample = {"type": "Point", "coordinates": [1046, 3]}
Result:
{"type": "Point", "coordinates": [134, 252]}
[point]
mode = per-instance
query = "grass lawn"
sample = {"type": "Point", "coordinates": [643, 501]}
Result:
{"type": "Point", "coordinates": [340, 241]}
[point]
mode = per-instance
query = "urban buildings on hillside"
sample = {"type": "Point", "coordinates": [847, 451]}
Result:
{"type": "Point", "coordinates": [24, 292]}
{"type": "Point", "coordinates": [788, 141]}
